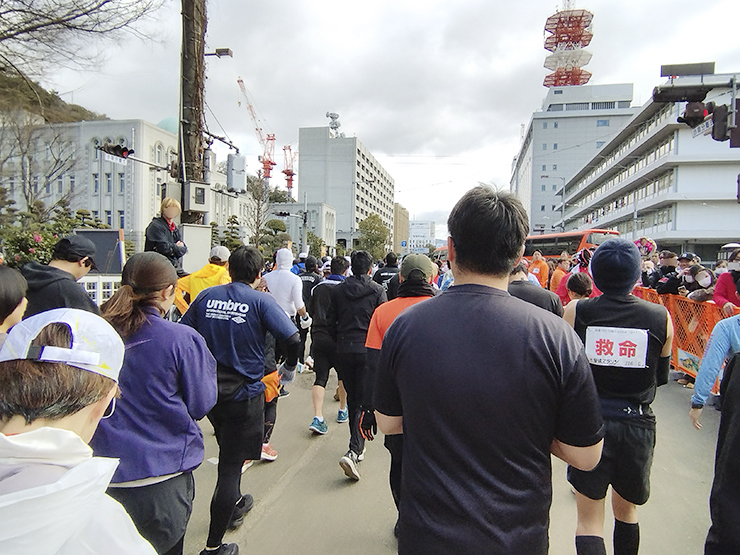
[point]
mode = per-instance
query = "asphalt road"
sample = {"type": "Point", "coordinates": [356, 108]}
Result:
{"type": "Point", "coordinates": [304, 503]}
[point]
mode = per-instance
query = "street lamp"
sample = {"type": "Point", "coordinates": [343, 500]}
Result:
{"type": "Point", "coordinates": [221, 52]}
{"type": "Point", "coordinates": [562, 199]}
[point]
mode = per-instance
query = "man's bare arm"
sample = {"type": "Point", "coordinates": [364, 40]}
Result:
{"type": "Point", "coordinates": [389, 425]}
{"type": "Point", "coordinates": [583, 458]}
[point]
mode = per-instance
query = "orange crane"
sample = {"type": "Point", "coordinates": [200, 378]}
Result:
{"type": "Point", "coordinates": [288, 171]}
{"type": "Point", "coordinates": [267, 142]}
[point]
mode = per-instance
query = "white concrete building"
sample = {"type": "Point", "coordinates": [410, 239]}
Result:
{"type": "Point", "coordinates": [340, 172]}
{"type": "Point", "coordinates": [421, 235]}
{"type": "Point", "coordinates": [660, 179]}
{"type": "Point", "coordinates": [570, 129]}
{"type": "Point", "coordinates": [321, 221]}
{"type": "Point", "coordinates": [124, 196]}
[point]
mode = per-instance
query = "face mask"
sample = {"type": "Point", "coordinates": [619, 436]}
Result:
{"type": "Point", "coordinates": [719, 271]}
{"type": "Point", "coordinates": [689, 279]}
{"type": "Point", "coordinates": [705, 281]}
{"type": "Point", "coordinates": [733, 265]}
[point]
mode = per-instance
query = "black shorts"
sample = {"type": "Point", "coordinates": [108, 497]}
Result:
{"type": "Point", "coordinates": [324, 358]}
{"type": "Point", "coordinates": [240, 428]}
{"type": "Point", "coordinates": [625, 464]}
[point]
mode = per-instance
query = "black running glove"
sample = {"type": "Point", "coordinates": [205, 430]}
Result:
{"type": "Point", "coordinates": [368, 426]}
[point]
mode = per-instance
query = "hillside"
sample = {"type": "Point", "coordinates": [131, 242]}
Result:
{"type": "Point", "coordinates": [16, 94]}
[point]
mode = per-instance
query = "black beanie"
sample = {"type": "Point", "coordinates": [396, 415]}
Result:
{"type": "Point", "coordinates": [615, 266]}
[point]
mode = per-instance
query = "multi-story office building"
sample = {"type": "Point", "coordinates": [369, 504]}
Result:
{"type": "Point", "coordinates": [321, 221]}
{"type": "Point", "coordinates": [400, 229]}
{"type": "Point", "coordinates": [421, 235]}
{"type": "Point", "coordinates": [571, 128]}
{"type": "Point", "coordinates": [64, 162]}
{"type": "Point", "coordinates": [341, 172]}
{"type": "Point", "coordinates": [659, 178]}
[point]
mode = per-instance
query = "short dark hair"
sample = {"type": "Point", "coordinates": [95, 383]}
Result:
{"type": "Point", "coordinates": [580, 283]}
{"type": "Point", "coordinates": [520, 268]}
{"type": "Point", "coordinates": [13, 288]}
{"type": "Point", "coordinates": [310, 263]}
{"type": "Point", "coordinates": [245, 264]}
{"type": "Point", "coordinates": [51, 390]}
{"type": "Point", "coordinates": [488, 229]}
{"type": "Point", "coordinates": [391, 259]}
{"type": "Point", "coordinates": [339, 265]}
{"type": "Point", "coordinates": [361, 262]}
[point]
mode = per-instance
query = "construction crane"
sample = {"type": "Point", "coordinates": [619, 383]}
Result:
{"type": "Point", "coordinates": [288, 171]}
{"type": "Point", "coordinates": [266, 141]}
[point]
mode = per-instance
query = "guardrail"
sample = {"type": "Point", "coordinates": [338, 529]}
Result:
{"type": "Point", "coordinates": [693, 323]}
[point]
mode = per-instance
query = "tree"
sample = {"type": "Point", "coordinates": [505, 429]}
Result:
{"type": "Point", "coordinates": [277, 195]}
{"type": "Point", "coordinates": [36, 34]}
{"type": "Point", "coordinates": [215, 235]}
{"type": "Point", "coordinates": [232, 235]}
{"type": "Point", "coordinates": [430, 248]}
{"type": "Point", "coordinates": [316, 243]}
{"type": "Point", "coordinates": [274, 236]}
{"type": "Point", "coordinates": [258, 209]}
{"type": "Point", "coordinates": [373, 236]}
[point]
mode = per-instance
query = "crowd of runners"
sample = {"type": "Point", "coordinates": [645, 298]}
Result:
{"type": "Point", "coordinates": [99, 407]}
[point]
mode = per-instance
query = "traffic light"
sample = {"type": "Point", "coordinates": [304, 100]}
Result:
{"type": "Point", "coordinates": [694, 114]}
{"type": "Point", "coordinates": [720, 130]}
{"type": "Point", "coordinates": [116, 150]}
{"type": "Point", "coordinates": [282, 214]}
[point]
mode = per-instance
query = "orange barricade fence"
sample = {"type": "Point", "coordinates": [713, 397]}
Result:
{"type": "Point", "coordinates": [693, 323]}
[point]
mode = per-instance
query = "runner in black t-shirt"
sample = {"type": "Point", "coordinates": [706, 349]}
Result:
{"type": "Point", "coordinates": [509, 385]}
{"type": "Point", "coordinates": [383, 275]}
{"type": "Point", "coordinates": [522, 288]}
{"type": "Point", "coordinates": [628, 343]}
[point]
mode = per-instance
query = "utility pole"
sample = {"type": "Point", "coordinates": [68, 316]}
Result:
{"type": "Point", "coordinates": [191, 97]}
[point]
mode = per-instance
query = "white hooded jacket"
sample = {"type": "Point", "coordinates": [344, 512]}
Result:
{"type": "Point", "coordinates": [53, 500]}
{"type": "Point", "coordinates": [284, 285]}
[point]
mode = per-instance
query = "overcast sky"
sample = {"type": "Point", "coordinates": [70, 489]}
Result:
{"type": "Point", "coordinates": [437, 90]}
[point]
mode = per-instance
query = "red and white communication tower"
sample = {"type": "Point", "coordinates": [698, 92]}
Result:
{"type": "Point", "coordinates": [569, 33]}
{"type": "Point", "coordinates": [288, 171]}
{"type": "Point", "coordinates": [267, 142]}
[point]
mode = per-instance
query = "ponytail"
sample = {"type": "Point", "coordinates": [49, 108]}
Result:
{"type": "Point", "coordinates": [144, 276]}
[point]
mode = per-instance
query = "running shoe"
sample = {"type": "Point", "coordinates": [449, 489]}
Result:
{"type": "Point", "coordinates": [318, 427]}
{"type": "Point", "coordinates": [309, 362]}
{"type": "Point", "coordinates": [342, 415]}
{"type": "Point", "coordinates": [283, 393]}
{"type": "Point", "coordinates": [244, 505]}
{"type": "Point", "coordinates": [246, 465]}
{"type": "Point", "coordinates": [268, 453]}
{"type": "Point", "coordinates": [361, 456]}
{"type": "Point", "coordinates": [225, 549]}
{"type": "Point", "coordinates": [349, 464]}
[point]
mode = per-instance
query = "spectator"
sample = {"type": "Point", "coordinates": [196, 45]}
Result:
{"type": "Point", "coordinates": [299, 265]}
{"type": "Point", "coordinates": [668, 281]}
{"type": "Point", "coordinates": [649, 276]}
{"type": "Point", "coordinates": [720, 267]}
{"type": "Point", "coordinates": [383, 275]}
{"type": "Point", "coordinates": [216, 272]}
{"type": "Point", "coordinates": [469, 490]}
{"type": "Point", "coordinates": [539, 268]}
{"type": "Point", "coordinates": [352, 305]}
{"type": "Point", "coordinates": [233, 318]}
{"type": "Point", "coordinates": [628, 343]}
{"type": "Point", "coordinates": [324, 344]}
{"type": "Point", "coordinates": [13, 300]}
{"type": "Point", "coordinates": [163, 236]}
{"type": "Point", "coordinates": [580, 286]}
{"type": "Point", "coordinates": [522, 288]}
{"type": "Point", "coordinates": [561, 270]}
{"type": "Point", "coordinates": [54, 286]}
{"type": "Point", "coordinates": [169, 380]}
{"type": "Point", "coordinates": [58, 378]}
{"type": "Point", "coordinates": [702, 283]}
{"type": "Point", "coordinates": [582, 262]}
{"type": "Point", "coordinates": [725, 291]}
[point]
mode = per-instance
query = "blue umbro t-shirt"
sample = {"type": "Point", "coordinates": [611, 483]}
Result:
{"type": "Point", "coordinates": [233, 319]}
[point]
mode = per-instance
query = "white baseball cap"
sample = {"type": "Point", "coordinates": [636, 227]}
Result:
{"type": "Point", "coordinates": [220, 252]}
{"type": "Point", "coordinates": [96, 346]}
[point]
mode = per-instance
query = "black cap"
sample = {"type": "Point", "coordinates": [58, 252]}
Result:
{"type": "Point", "coordinates": [74, 248]}
{"type": "Point", "coordinates": [687, 256]}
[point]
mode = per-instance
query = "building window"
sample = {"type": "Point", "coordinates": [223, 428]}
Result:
{"type": "Point", "coordinates": [11, 185]}
{"type": "Point", "coordinates": [163, 190]}
{"type": "Point", "coordinates": [47, 187]}
{"type": "Point", "coordinates": [544, 187]}
{"type": "Point", "coordinates": [108, 217]}
{"type": "Point", "coordinates": [121, 182]}
{"type": "Point", "coordinates": [576, 106]}
{"type": "Point", "coordinates": [544, 125]}
{"type": "Point", "coordinates": [554, 146]}
{"type": "Point", "coordinates": [71, 183]}
{"type": "Point", "coordinates": [542, 208]}
{"type": "Point", "coordinates": [603, 105]}
{"type": "Point", "coordinates": [159, 154]}
{"type": "Point", "coordinates": [121, 220]}
{"type": "Point", "coordinates": [544, 167]}
{"type": "Point", "coordinates": [599, 144]}
{"type": "Point", "coordinates": [544, 146]}
{"type": "Point", "coordinates": [95, 214]}
{"type": "Point", "coordinates": [554, 187]}
{"type": "Point", "coordinates": [108, 183]}
{"type": "Point", "coordinates": [553, 208]}
{"type": "Point", "coordinates": [602, 123]}
{"type": "Point", "coordinates": [555, 124]}
{"type": "Point", "coordinates": [557, 91]}
{"type": "Point", "coordinates": [36, 184]}
{"type": "Point", "coordinates": [60, 184]}
{"type": "Point", "coordinates": [96, 183]}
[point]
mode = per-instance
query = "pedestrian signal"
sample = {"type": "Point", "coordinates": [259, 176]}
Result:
{"type": "Point", "coordinates": [116, 150]}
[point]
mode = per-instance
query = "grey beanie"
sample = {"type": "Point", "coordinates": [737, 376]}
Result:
{"type": "Point", "coordinates": [615, 266]}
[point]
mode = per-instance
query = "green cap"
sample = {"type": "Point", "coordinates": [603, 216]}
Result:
{"type": "Point", "coordinates": [417, 266]}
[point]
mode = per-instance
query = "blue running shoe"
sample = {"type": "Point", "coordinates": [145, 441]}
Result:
{"type": "Point", "coordinates": [318, 427]}
{"type": "Point", "coordinates": [342, 415]}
